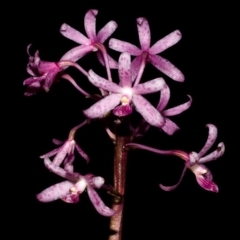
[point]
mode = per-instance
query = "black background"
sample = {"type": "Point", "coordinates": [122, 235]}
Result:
{"type": "Point", "coordinates": [204, 55]}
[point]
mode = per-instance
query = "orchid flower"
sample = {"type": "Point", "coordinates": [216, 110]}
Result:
{"type": "Point", "coordinates": [169, 127]}
{"type": "Point", "coordinates": [69, 190]}
{"type": "Point", "coordinates": [92, 43]}
{"type": "Point", "coordinates": [125, 94]}
{"type": "Point", "coordinates": [43, 74]}
{"type": "Point", "coordinates": [194, 161]}
{"type": "Point", "coordinates": [147, 53]}
{"type": "Point", "coordinates": [66, 151]}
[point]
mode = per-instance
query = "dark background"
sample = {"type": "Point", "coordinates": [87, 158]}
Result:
{"type": "Point", "coordinates": [204, 55]}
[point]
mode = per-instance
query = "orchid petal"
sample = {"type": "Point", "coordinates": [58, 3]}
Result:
{"type": "Point", "coordinates": [32, 89]}
{"type": "Point", "coordinates": [69, 160]}
{"type": "Point", "coordinates": [164, 98]}
{"type": "Point", "coordinates": [82, 153]}
{"type": "Point", "coordinates": [193, 158]}
{"type": "Point", "coordinates": [214, 155]}
{"type": "Point", "coordinates": [165, 42]}
{"type": "Point", "coordinates": [32, 80]}
{"type": "Point", "coordinates": [96, 182]}
{"type": "Point", "coordinates": [103, 106]}
{"type": "Point", "coordinates": [166, 67]}
{"type": "Point", "coordinates": [51, 76]}
{"type": "Point", "coordinates": [150, 86]}
{"type": "Point", "coordinates": [106, 31]}
{"type": "Point", "coordinates": [178, 109]}
{"type": "Point", "coordinates": [73, 34]}
{"type": "Point", "coordinates": [122, 46]}
{"type": "Point", "coordinates": [32, 71]}
{"type": "Point", "coordinates": [170, 127]}
{"type": "Point", "coordinates": [103, 83]}
{"type": "Point", "coordinates": [135, 66]}
{"type": "Point", "coordinates": [44, 67]}
{"type": "Point", "coordinates": [98, 203]}
{"type": "Point", "coordinates": [69, 168]}
{"type": "Point", "coordinates": [212, 136]}
{"type": "Point", "coordinates": [76, 53]}
{"type": "Point", "coordinates": [124, 70]}
{"type": "Point", "coordinates": [57, 142]}
{"type": "Point", "coordinates": [55, 192]}
{"type": "Point", "coordinates": [149, 113]}
{"type": "Point", "coordinates": [59, 171]}
{"type": "Point", "coordinates": [51, 153]}
{"type": "Point", "coordinates": [170, 188]}
{"type": "Point", "coordinates": [61, 154]}
{"type": "Point", "coordinates": [144, 33]}
{"type": "Point", "coordinates": [112, 63]}
{"type": "Point", "coordinates": [36, 59]}
{"type": "Point", "coordinates": [90, 23]}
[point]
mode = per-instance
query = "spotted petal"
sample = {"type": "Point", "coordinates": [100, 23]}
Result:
{"type": "Point", "coordinates": [212, 136]}
{"type": "Point", "coordinates": [103, 106]}
{"type": "Point", "coordinates": [164, 98]}
{"type": "Point", "coordinates": [135, 66]}
{"type": "Point", "coordinates": [149, 113]}
{"type": "Point", "coordinates": [59, 171]}
{"type": "Point", "coordinates": [74, 35]}
{"type": "Point", "coordinates": [90, 23]}
{"type": "Point", "coordinates": [124, 70]}
{"type": "Point", "coordinates": [170, 127]}
{"type": "Point", "coordinates": [55, 192]}
{"type": "Point", "coordinates": [215, 154]}
{"type": "Point", "coordinates": [178, 109]}
{"type": "Point", "coordinates": [103, 83]}
{"type": "Point", "coordinates": [150, 86]}
{"type": "Point", "coordinates": [165, 42]}
{"type": "Point", "coordinates": [122, 46]}
{"type": "Point", "coordinates": [99, 204]}
{"type": "Point", "coordinates": [106, 31]}
{"type": "Point", "coordinates": [58, 159]}
{"type": "Point", "coordinates": [77, 53]}
{"type": "Point", "coordinates": [166, 67]}
{"type": "Point", "coordinates": [144, 33]}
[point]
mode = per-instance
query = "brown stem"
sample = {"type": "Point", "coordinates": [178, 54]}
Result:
{"type": "Point", "coordinates": [120, 165]}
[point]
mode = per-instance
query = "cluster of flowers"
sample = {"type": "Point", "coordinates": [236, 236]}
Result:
{"type": "Point", "coordinates": [118, 98]}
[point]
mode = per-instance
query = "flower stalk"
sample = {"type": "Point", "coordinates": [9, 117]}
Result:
{"type": "Point", "coordinates": [119, 179]}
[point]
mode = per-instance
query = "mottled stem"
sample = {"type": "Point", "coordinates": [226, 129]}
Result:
{"type": "Point", "coordinates": [120, 165]}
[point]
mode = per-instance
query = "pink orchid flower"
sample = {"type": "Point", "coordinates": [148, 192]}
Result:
{"type": "Point", "coordinates": [66, 151]}
{"type": "Point", "coordinates": [93, 42]}
{"type": "Point", "coordinates": [43, 74]}
{"type": "Point", "coordinates": [147, 53]}
{"type": "Point", "coordinates": [194, 161]}
{"type": "Point", "coordinates": [69, 190]}
{"type": "Point", "coordinates": [125, 94]}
